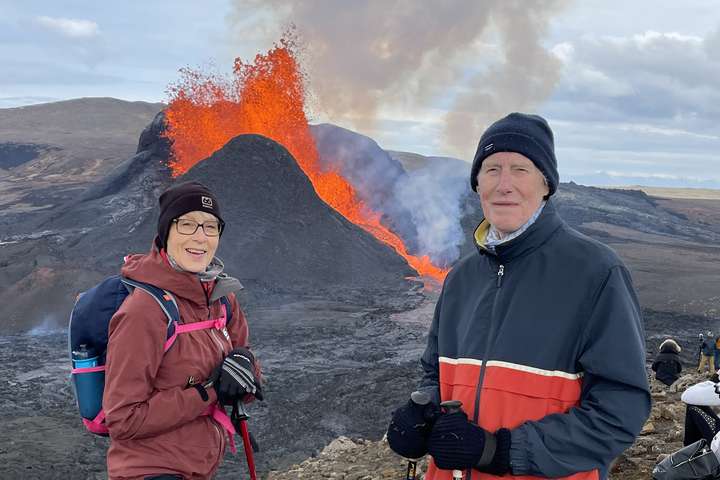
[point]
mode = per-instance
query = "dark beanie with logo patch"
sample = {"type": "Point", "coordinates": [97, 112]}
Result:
{"type": "Point", "coordinates": [180, 199]}
{"type": "Point", "coordinates": [529, 135]}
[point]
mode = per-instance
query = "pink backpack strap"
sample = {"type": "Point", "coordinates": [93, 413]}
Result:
{"type": "Point", "coordinates": [99, 368]}
{"type": "Point", "coordinates": [97, 424]}
{"type": "Point", "coordinates": [218, 414]}
{"type": "Point", "coordinates": [218, 323]}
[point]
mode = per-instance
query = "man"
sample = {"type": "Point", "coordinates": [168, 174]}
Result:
{"type": "Point", "coordinates": [538, 334]}
{"type": "Point", "coordinates": [707, 353]}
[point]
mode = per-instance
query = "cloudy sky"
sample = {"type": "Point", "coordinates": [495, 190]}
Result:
{"type": "Point", "coordinates": [632, 89]}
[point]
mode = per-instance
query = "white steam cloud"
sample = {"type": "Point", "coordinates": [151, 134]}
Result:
{"type": "Point", "coordinates": [476, 60]}
{"type": "Point", "coordinates": [433, 197]}
{"type": "Point", "coordinates": [483, 58]}
{"type": "Point", "coordinates": [69, 27]}
{"type": "Point", "coordinates": [422, 204]}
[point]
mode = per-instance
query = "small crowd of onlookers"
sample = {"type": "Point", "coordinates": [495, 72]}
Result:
{"type": "Point", "coordinates": [701, 420]}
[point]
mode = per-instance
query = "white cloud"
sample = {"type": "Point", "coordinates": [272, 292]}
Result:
{"type": "Point", "coordinates": [563, 51]}
{"type": "Point", "coordinates": [69, 27]}
{"type": "Point", "coordinates": [665, 80]}
{"type": "Point", "coordinates": [651, 38]}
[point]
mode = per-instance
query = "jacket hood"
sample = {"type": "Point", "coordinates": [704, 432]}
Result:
{"type": "Point", "coordinates": [669, 346]}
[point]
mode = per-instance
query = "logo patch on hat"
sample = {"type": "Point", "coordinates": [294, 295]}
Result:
{"type": "Point", "coordinates": [489, 147]}
{"type": "Point", "coordinates": [206, 202]}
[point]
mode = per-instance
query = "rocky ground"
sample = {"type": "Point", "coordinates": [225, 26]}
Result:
{"type": "Point", "coordinates": [331, 368]}
{"type": "Point", "coordinates": [334, 372]}
{"type": "Point", "coordinates": [362, 459]}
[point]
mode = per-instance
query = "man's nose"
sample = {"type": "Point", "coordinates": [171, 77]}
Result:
{"type": "Point", "coordinates": [505, 183]}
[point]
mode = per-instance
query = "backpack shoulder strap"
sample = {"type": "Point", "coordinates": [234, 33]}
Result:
{"type": "Point", "coordinates": [169, 306]}
{"type": "Point", "coordinates": [163, 298]}
{"type": "Point", "coordinates": [228, 308]}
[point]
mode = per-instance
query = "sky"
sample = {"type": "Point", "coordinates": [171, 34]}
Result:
{"type": "Point", "coordinates": [631, 89]}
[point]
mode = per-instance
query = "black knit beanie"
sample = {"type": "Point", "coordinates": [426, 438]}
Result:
{"type": "Point", "coordinates": [180, 199]}
{"type": "Point", "coordinates": [529, 135]}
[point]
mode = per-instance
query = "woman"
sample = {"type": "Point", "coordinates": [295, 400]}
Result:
{"type": "Point", "coordinates": [160, 405]}
{"type": "Point", "coordinates": [667, 366]}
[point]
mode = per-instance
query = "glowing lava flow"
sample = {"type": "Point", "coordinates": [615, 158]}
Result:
{"type": "Point", "coordinates": [266, 97]}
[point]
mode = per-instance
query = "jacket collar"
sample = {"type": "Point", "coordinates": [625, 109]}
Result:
{"type": "Point", "coordinates": [152, 268]}
{"type": "Point", "coordinates": [532, 238]}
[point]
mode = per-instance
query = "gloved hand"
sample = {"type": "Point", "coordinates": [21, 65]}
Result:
{"type": "Point", "coordinates": [457, 443]}
{"type": "Point", "coordinates": [234, 378]}
{"type": "Point", "coordinates": [409, 428]}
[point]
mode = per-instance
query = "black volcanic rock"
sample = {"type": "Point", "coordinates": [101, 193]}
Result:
{"type": "Point", "coordinates": [128, 192]}
{"type": "Point", "coordinates": [280, 234]}
{"type": "Point", "coordinates": [15, 154]}
{"type": "Point", "coordinates": [51, 153]}
{"type": "Point", "coordinates": [66, 249]}
{"type": "Point", "coordinates": [280, 237]}
{"type": "Point", "coordinates": [583, 206]}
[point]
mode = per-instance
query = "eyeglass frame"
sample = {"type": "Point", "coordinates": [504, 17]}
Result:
{"type": "Point", "coordinates": [221, 227]}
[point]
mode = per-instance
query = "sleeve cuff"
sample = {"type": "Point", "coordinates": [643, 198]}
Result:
{"type": "Point", "coordinates": [519, 461]}
{"type": "Point", "coordinates": [500, 464]}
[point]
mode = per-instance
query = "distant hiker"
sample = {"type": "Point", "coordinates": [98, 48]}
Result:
{"type": "Point", "coordinates": [701, 421]}
{"type": "Point", "coordinates": [707, 353]}
{"type": "Point", "coordinates": [164, 410]}
{"type": "Point", "coordinates": [667, 366]}
{"type": "Point", "coordinates": [538, 333]}
{"type": "Point", "coordinates": [717, 353]}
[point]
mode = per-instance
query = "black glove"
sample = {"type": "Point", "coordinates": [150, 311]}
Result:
{"type": "Point", "coordinates": [235, 377]}
{"type": "Point", "coordinates": [409, 428]}
{"type": "Point", "coordinates": [456, 443]}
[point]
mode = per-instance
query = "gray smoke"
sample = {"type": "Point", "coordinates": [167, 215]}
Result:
{"type": "Point", "coordinates": [374, 175]}
{"type": "Point", "coordinates": [433, 196]}
{"type": "Point", "coordinates": [482, 58]}
{"type": "Point", "coordinates": [423, 204]}
{"type": "Point", "coordinates": [485, 58]}
{"type": "Point", "coordinates": [527, 75]}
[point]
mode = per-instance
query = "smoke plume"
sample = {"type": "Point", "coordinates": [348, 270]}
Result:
{"type": "Point", "coordinates": [422, 205]}
{"type": "Point", "coordinates": [482, 58]}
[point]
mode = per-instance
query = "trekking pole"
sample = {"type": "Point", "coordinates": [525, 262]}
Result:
{"type": "Point", "coordinates": [239, 419]}
{"type": "Point", "coordinates": [452, 406]}
{"type": "Point", "coordinates": [418, 398]}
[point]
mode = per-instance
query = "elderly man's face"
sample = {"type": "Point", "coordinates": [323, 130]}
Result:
{"type": "Point", "coordinates": [511, 189]}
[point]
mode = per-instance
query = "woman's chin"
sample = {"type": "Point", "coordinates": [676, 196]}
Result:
{"type": "Point", "coordinates": [194, 265]}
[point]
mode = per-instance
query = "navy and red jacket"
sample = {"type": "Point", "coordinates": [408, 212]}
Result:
{"type": "Point", "coordinates": [543, 337]}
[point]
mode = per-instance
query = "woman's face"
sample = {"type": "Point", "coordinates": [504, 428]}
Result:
{"type": "Point", "coordinates": [193, 251]}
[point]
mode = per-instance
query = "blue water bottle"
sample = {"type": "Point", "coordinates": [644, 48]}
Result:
{"type": "Point", "coordinates": [88, 385]}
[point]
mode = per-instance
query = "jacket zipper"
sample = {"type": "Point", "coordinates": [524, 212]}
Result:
{"type": "Point", "coordinates": [214, 335]}
{"type": "Point", "coordinates": [488, 342]}
{"type": "Point", "coordinates": [221, 437]}
{"type": "Point", "coordinates": [212, 332]}
{"type": "Point", "coordinates": [218, 341]}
